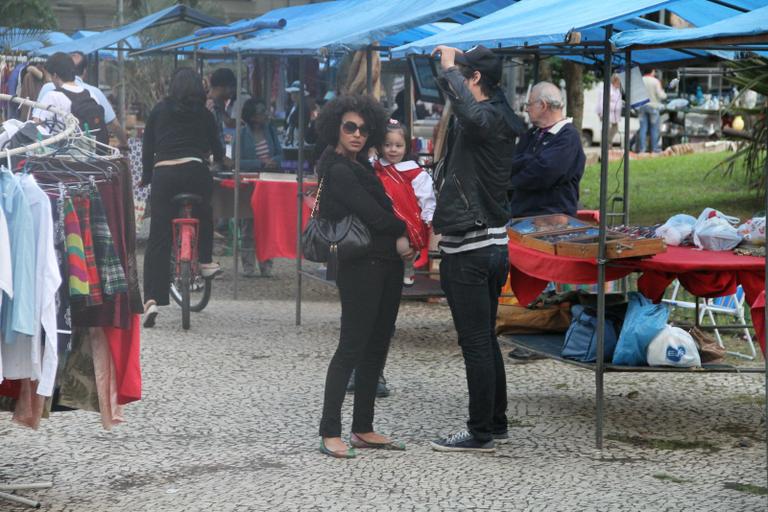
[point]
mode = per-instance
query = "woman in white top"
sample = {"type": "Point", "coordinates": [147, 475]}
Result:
{"type": "Point", "coordinates": [614, 112]}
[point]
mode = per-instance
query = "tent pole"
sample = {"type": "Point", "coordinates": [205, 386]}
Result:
{"type": "Point", "coordinates": [408, 102]}
{"type": "Point", "coordinates": [300, 190]}
{"type": "Point", "coordinates": [368, 71]}
{"type": "Point", "coordinates": [121, 69]}
{"type": "Point", "coordinates": [236, 151]}
{"type": "Point", "coordinates": [627, 114]}
{"type": "Point", "coordinates": [601, 261]}
{"type": "Point", "coordinates": [96, 69]}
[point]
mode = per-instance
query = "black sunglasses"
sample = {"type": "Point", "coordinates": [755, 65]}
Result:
{"type": "Point", "coordinates": [351, 127]}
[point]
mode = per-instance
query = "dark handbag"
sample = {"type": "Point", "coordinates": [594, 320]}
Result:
{"type": "Point", "coordinates": [331, 241]}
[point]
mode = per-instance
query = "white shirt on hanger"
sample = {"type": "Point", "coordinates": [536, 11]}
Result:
{"type": "Point", "coordinates": [23, 359]}
{"type": "Point", "coordinates": [6, 271]}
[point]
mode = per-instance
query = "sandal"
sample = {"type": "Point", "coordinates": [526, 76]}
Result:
{"type": "Point", "coordinates": [358, 442]}
{"type": "Point", "coordinates": [349, 454]}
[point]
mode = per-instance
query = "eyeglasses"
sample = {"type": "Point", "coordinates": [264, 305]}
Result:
{"type": "Point", "coordinates": [527, 104]}
{"type": "Point", "coordinates": [350, 127]}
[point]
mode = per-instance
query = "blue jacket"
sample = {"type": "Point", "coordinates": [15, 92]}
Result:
{"type": "Point", "coordinates": [546, 171]}
{"type": "Point", "coordinates": [248, 159]}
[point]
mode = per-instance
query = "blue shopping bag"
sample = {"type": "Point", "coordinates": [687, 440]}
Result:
{"type": "Point", "coordinates": [644, 320]}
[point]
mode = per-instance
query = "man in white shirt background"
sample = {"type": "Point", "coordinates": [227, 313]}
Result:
{"type": "Point", "coordinates": [80, 63]}
{"type": "Point", "coordinates": [650, 113]}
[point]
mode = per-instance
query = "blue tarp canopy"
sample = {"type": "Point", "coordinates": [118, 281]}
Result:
{"type": "Point", "coordinates": [354, 24]}
{"type": "Point", "coordinates": [187, 44]}
{"type": "Point", "coordinates": [307, 15]}
{"type": "Point", "coordinates": [547, 24]}
{"type": "Point", "coordinates": [743, 28]}
{"type": "Point", "coordinates": [110, 38]}
{"type": "Point", "coordinates": [536, 23]}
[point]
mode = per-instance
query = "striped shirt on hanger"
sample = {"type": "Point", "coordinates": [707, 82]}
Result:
{"type": "Point", "coordinates": [451, 244]}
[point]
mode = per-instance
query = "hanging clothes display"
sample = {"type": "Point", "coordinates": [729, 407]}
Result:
{"type": "Point", "coordinates": [69, 289]}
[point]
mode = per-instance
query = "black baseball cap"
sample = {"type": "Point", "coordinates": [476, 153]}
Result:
{"type": "Point", "coordinates": [479, 58]}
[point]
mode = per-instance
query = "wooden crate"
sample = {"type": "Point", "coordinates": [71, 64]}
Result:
{"type": "Point", "coordinates": [617, 246]}
{"type": "Point", "coordinates": [567, 236]}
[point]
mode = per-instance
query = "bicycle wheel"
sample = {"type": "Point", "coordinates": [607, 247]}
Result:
{"type": "Point", "coordinates": [199, 296]}
{"type": "Point", "coordinates": [185, 281]}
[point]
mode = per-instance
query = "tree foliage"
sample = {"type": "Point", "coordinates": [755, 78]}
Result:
{"type": "Point", "coordinates": [27, 14]}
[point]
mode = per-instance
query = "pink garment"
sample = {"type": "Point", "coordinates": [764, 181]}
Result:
{"type": "Point", "coordinates": [106, 380]}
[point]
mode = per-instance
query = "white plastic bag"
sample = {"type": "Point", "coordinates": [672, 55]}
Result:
{"type": "Point", "coordinates": [673, 347]}
{"type": "Point", "coordinates": [715, 231]}
{"type": "Point", "coordinates": [676, 229]}
{"type": "Point", "coordinates": [753, 230]}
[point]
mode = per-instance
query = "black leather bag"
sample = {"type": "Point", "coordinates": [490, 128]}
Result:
{"type": "Point", "coordinates": [331, 241]}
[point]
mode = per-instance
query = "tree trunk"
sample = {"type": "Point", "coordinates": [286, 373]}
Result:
{"type": "Point", "coordinates": [545, 70]}
{"type": "Point", "coordinates": [574, 91]}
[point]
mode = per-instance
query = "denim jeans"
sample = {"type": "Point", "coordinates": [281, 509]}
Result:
{"type": "Point", "coordinates": [649, 119]}
{"type": "Point", "coordinates": [472, 282]}
{"type": "Point", "coordinates": [370, 291]}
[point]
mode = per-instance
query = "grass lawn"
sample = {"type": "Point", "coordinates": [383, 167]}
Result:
{"type": "Point", "coordinates": [661, 187]}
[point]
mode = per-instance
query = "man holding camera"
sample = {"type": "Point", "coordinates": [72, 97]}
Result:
{"type": "Point", "coordinates": [471, 214]}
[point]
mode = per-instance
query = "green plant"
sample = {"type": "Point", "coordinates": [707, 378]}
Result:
{"type": "Point", "coordinates": [751, 156]}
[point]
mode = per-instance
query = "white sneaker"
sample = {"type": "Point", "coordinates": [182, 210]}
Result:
{"type": "Point", "coordinates": [408, 280]}
{"type": "Point", "coordinates": [209, 270]}
{"type": "Point", "coordinates": [150, 313]}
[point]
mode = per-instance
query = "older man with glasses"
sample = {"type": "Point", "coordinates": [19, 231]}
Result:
{"type": "Point", "coordinates": [549, 161]}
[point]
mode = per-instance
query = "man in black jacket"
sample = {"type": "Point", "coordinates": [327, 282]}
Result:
{"type": "Point", "coordinates": [471, 214]}
{"type": "Point", "coordinates": [548, 161]}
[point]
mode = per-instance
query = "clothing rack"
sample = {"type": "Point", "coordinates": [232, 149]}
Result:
{"type": "Point", "coordinates": [71, 130]}
{"type": "Point", "coordinates": [71, 127]}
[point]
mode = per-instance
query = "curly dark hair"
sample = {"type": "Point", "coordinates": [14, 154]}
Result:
{"type": "Point", "coordinates": [329, 119]}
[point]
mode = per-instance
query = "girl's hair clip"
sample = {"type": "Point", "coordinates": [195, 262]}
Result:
{"type": "Point", "coordinates": [394, 122]}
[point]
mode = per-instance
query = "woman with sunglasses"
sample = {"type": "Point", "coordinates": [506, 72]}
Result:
{"type": "Point", "coordinates": [370, 286]}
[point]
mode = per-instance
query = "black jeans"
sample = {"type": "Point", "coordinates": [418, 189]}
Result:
{"type": "Point", "coordinates": [168, 181]}
{"type": "Point", "coordinates": [472, 282]}
{"type": "Point", "coordinates": [370, 292]}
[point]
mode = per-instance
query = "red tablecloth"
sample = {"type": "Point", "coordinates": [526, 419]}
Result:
{"type": "Point", "coordinates": [274, 218]}
{"type": "Point", "coordinates": [703, 273]}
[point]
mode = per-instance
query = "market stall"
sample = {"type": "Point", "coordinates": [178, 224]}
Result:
{"type": "Point", "coordinates": [343, 20]}
{"type": "Point", "coordinates": [583, 31]}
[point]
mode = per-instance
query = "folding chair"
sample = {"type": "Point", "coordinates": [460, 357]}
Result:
{"type": "Point", "coordinates": [732, 305]}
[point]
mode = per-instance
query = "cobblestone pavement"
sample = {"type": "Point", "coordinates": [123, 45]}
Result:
{"type": "Point", "coordinates": [230, 412]}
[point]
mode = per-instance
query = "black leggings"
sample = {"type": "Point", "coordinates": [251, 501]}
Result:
{"type": "Point", "coordinates": [370, 292]}
{"type": "Point", "coordinates": [168, 181]}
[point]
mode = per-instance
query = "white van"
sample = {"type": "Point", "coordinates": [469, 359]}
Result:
{"type": "Point", "coordinates": [591, 126]}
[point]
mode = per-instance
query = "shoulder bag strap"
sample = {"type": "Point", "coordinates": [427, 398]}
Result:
{"type": "Point", "coordinates": [317, 198]}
